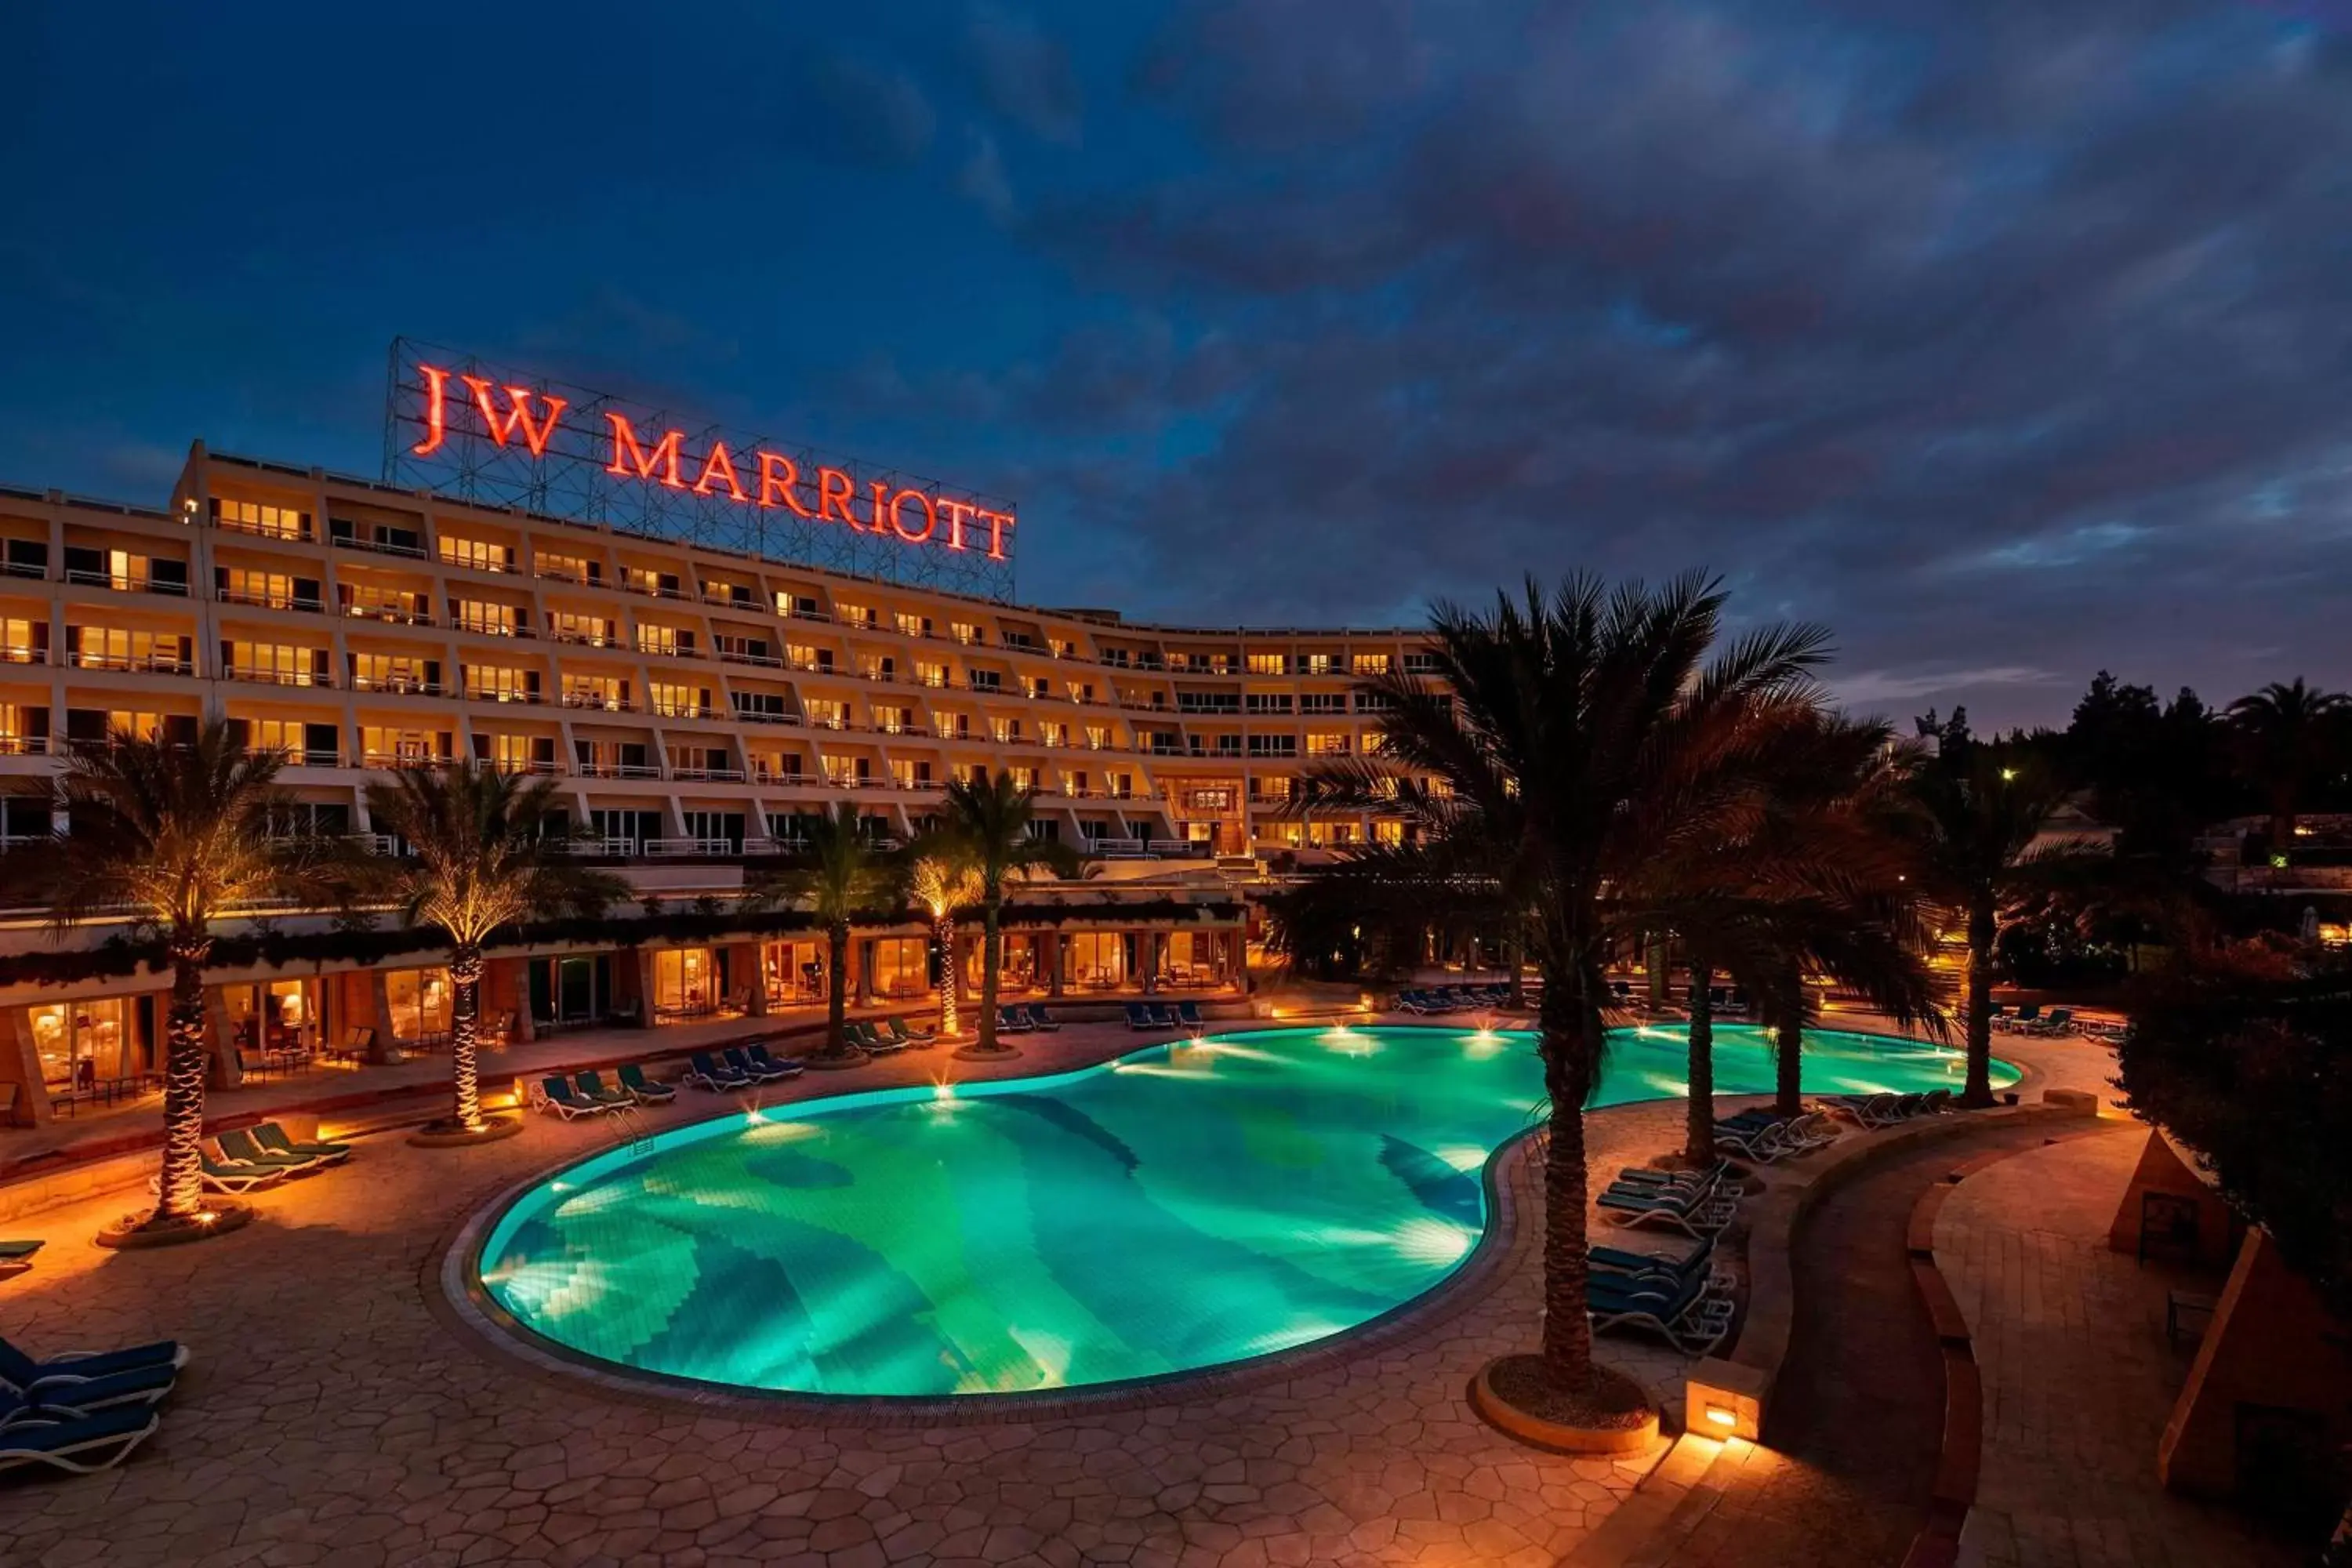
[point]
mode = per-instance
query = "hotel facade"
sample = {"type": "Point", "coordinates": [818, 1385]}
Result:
{"type": "Point", "coordinates": [695, 705]}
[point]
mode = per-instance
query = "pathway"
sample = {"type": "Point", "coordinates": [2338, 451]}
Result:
{"type": "Point", "coordinates": [2078, 1375]}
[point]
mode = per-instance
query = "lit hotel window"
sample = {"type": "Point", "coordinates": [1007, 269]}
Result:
{"type": "Point", "coordinates": [479, 554]}
{"type": "Point", "coordinates": [253, 517]}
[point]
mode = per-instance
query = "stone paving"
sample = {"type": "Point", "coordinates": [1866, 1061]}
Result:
{"type": "Point", "coordinates": [333, 1416]}
{"type": "Point", "coordinates": [2078, 1375]}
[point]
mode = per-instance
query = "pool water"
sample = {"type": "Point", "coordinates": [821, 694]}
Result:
{"type": "Point", "coordinates": [1187, 1206]}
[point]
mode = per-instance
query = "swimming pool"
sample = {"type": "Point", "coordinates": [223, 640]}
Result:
{"type": "Point", "coordinates": [1187, 1206]}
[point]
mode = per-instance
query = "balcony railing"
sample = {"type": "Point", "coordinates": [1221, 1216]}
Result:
{"type": "Point", "coordinates": [24, 569]}
{"type": "Point", "coordinates": [396, 685]}
{"type": "Point", "coordinates": [127, 584]}
{"type": "Point", "coordinates": [142, 663]}
{"type": "Point", "coordinates": [766, 660]}
{"type": "Point", "coordinates": [762, 716]}
{"type": "Point", "coordinates": [488, 628]}
{"type": "Point", "coordinates": [299, 534]}
{"type": "Point", "coordinates": [392, 615]}
{"type": "Point", "coordinates": [596, 770]}
{"type": "Point", "coordinates": [583, 639]}
{"type": "Point", "coordinates": [23, 745]}
{"type": "Point", "coordinates": [277, 676]}
{"type": "Point", "coordinates": [19, 654]}
{"type": "Point", "coordinates": [269, 601]}
{"type": "Point", "coordinates": [598, 702]}
{"type": "Point", "coordinates": [380, 547]}
{"type": "Point", "coordinates": [706, 775]}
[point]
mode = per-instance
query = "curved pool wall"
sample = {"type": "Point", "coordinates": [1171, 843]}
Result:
{"type": "Point", "coordinates": [1187, 1206]}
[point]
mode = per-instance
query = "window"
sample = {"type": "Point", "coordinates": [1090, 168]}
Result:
{"type": "Point", "coordinates": [985, 679]}
{"type": "Point", "coordinates": [877, 666]}
{"type": "Point", "coordinates": [1368, 664]}
{"type": "Point", "coordinates": [517, 753]}
{"type": "Point", "coordinates": [1097, 737]}
{"type": "Point", "coordinates": [1054, 734]}
{"type": "Point", "coordinates": [270, 590]}
{"type": "Point", "coordinates": [395, 672]}
{"type": "Point", "coordinates": [761, 707]}
{"type": "Point", "coordinates": [486, 617]}
{"type": "Point", "coordinates": [963, 632]}
{"type": "Point", "coordinates": [1373, 742]}
{"type": "Point", "coordinates": [669, 642]}
{"type": "Point", "coordinates": [775, 767]}
{"type": "Point", "coordinates": [1121, 786]}
{"type": "Point", "coordinates": [826, 712]}
{"type": "Point", "coordinates": [790, 604]}
{"type": "Point", "coordinates": [715, 592]}
{"type": "Point", "coordinates": [656, 583]}
{"type": "Point", "coordinates": [906, 773]}
{"type": "Point", "coordinates": [801, 656]}
{"type": "Point", "coordinates": [671, 700]}
{"type": "Point", "coordinates": [1075, 782]}
{"type": "Point", "coordinates": [1063, 648]}
{"type": "Point", "coordinates": [893, 721]}
{"type": "Point", "coordinates": [1373, 702]}
{"type": "Point", "coordinates": [257, 517]}
{"type": "Point", "coordinates": [478, 554]}
{"type": "Point", "coordinates": [1267, 702]}
{"type": "Point", "coordinates": [1276, 788]}
{"type": "Point", "coordinates": [1325, 744]}
{"type": "Point", "coordinates": [1208, 702]}
{"type": "Point", "coordinates": [399, 606]}
{"type": "Point", "coordinates": [384, 745]}
{"type": "Point", "coordinates": [912, 624]}
{"type": "Point", "coordinates": [501, 683]}
{"type": "Point", "coordinates": [1421, 661]}
{"type": "Point", "coordinates": [744, 649]}
{"type": "Point", "coordinates": [287, 737]}
{"type": "Point", "coordinates": [1270, 664]}
{"type": "Point", "coordinates": [854, 615]}
{"type": "Point", "coordinates": [1318, 663]}
{"type": "Point", "coordinates": [570, 626]}
{"type": "Point", "coordinates": [571, 568]}
{"type": "Point", "coordinates": [113, 647]}
{"type": "Point", "coordinates": [951, 726]}
{"type": "Point", "coordinates": [124, 572]}
{"type": "Point", "coordinates": [1023, 778]}
{"type": "Point", "coordinates": [1274, 745]}
{"type": "Point", "coordinates": [845, 773]}
{"type": "Point", "coordinates": [1082, 691]}
{"type": "Point", "coordinates": [23, 641]}
{"type": "Point", "coordinates": [606, 691]}
{"type": "Point", "coordinates": [1322, 702]}
{"type": "Point", "coordinates": [1006, 730]}
{"type": "Point", "coordinates": [278, 664]}
{"type": "Point", "coordinates": [23, 731]}
{"type": "Point", "coordinates": [698, 762]}
{"type": "Point", "coordinates": [929, 674]}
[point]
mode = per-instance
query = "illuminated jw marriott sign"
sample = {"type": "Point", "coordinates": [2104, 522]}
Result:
{"type": "Point", "coordinates": [477, 433]}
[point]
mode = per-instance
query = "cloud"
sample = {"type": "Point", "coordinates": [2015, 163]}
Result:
{"type": "Point", "coordinates": [1025, 75]}
{"type": "Point", "coordinates": [982, 181]}
{"type": "Point", "coordinates": [866, 113]}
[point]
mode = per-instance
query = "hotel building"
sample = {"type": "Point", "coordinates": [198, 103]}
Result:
{"type": "Point", "coordinates": [695, 705]}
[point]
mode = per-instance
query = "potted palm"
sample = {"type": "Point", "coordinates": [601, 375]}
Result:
{"type": "Point", "coordinates": [481, 849]}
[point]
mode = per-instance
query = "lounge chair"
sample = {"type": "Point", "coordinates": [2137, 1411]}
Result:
{"type": "Point", "coordinates": [139, 1385]}
{"type": "Point", "coordinates": [1039, 1019]}
{"type": "Point", "coordinates": [1189, 1015]}
{"type": "Point", "coordinates": [916, 1034]}
{"type": "Point", "coordinates": [230, 1176]}
{"type": "Point", "coordinates": [776, 1068]}
{"type": "Point", "coordinates": [2061, 1021]}
{"type": "Point", "coordinates": [22, 1372]}
{"type": "Point", "coordinates": [642, 1090]}
{"type": "Point", "coordinates": [889, 1032]}
{"type": "Point", "coordinates": [591, 1085]}
{"type": "Point", "coordinates": [556, 1094]}
{"type": "Point", "coordinates": [863, 1037]}
{"type": "Point", "coordinates": [1695, 1318]}
{"type": "Point", "coordinates": [704, 1073]}
{"type": "Point", "coordinates": [1653, 1266]}
{"type": "Point", "coordinates": [1138, 1016]}
{"type": "Point", "coordinates": [15, 1256]}
{"type": "Point", "coordinates": [270, 1136]}
{"type": "Point", "coordinates": [736, 1056]}
{"type": "Point", "coordinates": [1012, 1021]}
{"type": "Point", "coordinates": [1697, 1217]}
{"type": "Point", "coordinates": [79, 1443]}
{"type": "Point", "coordinates": [237, 1146]}
{"type": "Point", "coordinates": [2029, 1015]}
{"type": "Point", "coordinates": [1163, 1016]}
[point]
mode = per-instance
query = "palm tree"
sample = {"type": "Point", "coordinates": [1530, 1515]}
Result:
{"type": "Point", "coordinates": [941, 883]}
{"type": "Point", "coordinates": [988, 820]}
{"type": "Point", "coordinates": [840, 875]}
{"type": "Point", "coordinates": [1588, 753]}
{"type": "Point", "coordinates": [176, 836]}
{"type": "Point", "coordinates": [484, 849]}
{"type": "Point", "coordinates": [2288, 732]}
{"type": "Point", "coordinates": [1975, 824]}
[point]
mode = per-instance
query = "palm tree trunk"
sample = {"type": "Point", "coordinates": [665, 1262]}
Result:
{"type": "Point", "coordinates": [1571, 1035]}
{"type": "Point", "coordinates": [944, 933]}
{"type": "Point", "coordinates": [182, 1193]}
{"type": "Point", "coordinates": [836, 987]}
{"type": "Point", "coordinates": [465, 1037]}
{"type": "Point", "coordinates": [1699, 1126]}
{"type": "Point", "coordinates": [1517, 996]}
{"type": "Point", "coordinates": [1789, 1047]}
{"type": "Point", "coordinates": [1978, 1090]}
{"type": "Point", "coordinates": [992, 952]}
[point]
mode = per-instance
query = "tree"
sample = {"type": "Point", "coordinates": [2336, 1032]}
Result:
{"type": "Point", "coordinates": [840, 875]}
{"type": "Point", "coordinates": [2288, 732]}
{"type": "Point", "coordinates": [1975, 827]}
{"type": "Point", "coordinates": [988, 821]}
{"type": "Point", "coordinates": [940, 882]}
{"type": "Point", "coordinates": [1586, 753]}
{"type": "Point", "coordinates": [177, 835]}
{"type": "Point", "coordinates": [482, 849]}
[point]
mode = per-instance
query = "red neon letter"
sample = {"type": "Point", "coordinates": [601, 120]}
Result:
{"type": "Point", "coordinates": [833, 492]}
{"type": "Point", "coordinates": [955, 510]}
{"type": "Point", "coordinates": [518, 418]}
{"type": "Point", "coordinates": [625, 440]}
{"type": "Point", "coordinates": [931, 517]}
{"type": "Point", "coordinates": [877, 509]}
{"type": "Point", "coordinates": [436, 419]}
{"type": "Point", "coordinates": [718, 468]}
{"type": "Point", "coordinates": [998, 521]}
{"type": "Point", "coordinates": [779, 480]}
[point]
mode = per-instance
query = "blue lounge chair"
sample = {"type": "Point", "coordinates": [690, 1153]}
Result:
{"type": "Point", "coordinates": [736, 1058]}
{"type": "Point", "coordinates": [270, 1136]}
{"type": "Point", "coordinates": [2061, 1021]}
{"type": "Point", "coordinates": [15, 1256]}
{"type": "Point", "coordinates": [647, 1092]}
{"type": "Point", "coordinates": [233, 1176]}
{"type": "Point", "coordinates": [1697, 1217]}
{"type": "Point", "coordinates": [140, 1385]}
{"type": "Point", "coordinates": [776, 1068]}
{"type": "Point", "coordinates": [704, 1073]}
{"type": "Point", "coordinates": [237, 1146]}
{"type": "Point", "coordinates": [1189, 1015]}
{"type": "Point", "coordinates": [1163, 1016]}
{"type": "Point", "coordinates": [25, 1375]}
{"type": "Point", "coordinates": [1694, 1317]}
{"type": "Point", "coordinates": [592, 1088]}
{"type": "Point", "coordinates": [916, 1034]}
{"type": "Point", "coordinates": [80, 1444]}
{"type": "Point", "coordinates": [1138, 1016]}
{"type": "Point", "coordinates": [1012, 1021]}
{"type": "Point", "coordinates": [2029, 1014]}
{"type": "Point", "coordinates": [1038, 1020]}
{"type": "Point", "coordinates": [557, 1094]}
{"type": "Point", "coordinates": [863, 1037]}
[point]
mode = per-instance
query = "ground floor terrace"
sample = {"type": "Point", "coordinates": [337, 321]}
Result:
{"type": "Point", "coordinates": [339, 1410]}
{"type": "Point", "coordinates": [83, 1050]}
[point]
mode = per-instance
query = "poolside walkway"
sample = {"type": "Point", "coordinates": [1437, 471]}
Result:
{"type": "Point", "coordinates": [2078, 1374]}
{"type": "Point", "coordinates": [331, 1415]}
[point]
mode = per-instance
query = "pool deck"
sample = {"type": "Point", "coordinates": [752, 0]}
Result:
{"type": "Point", "coordinates": [335, 1413]}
